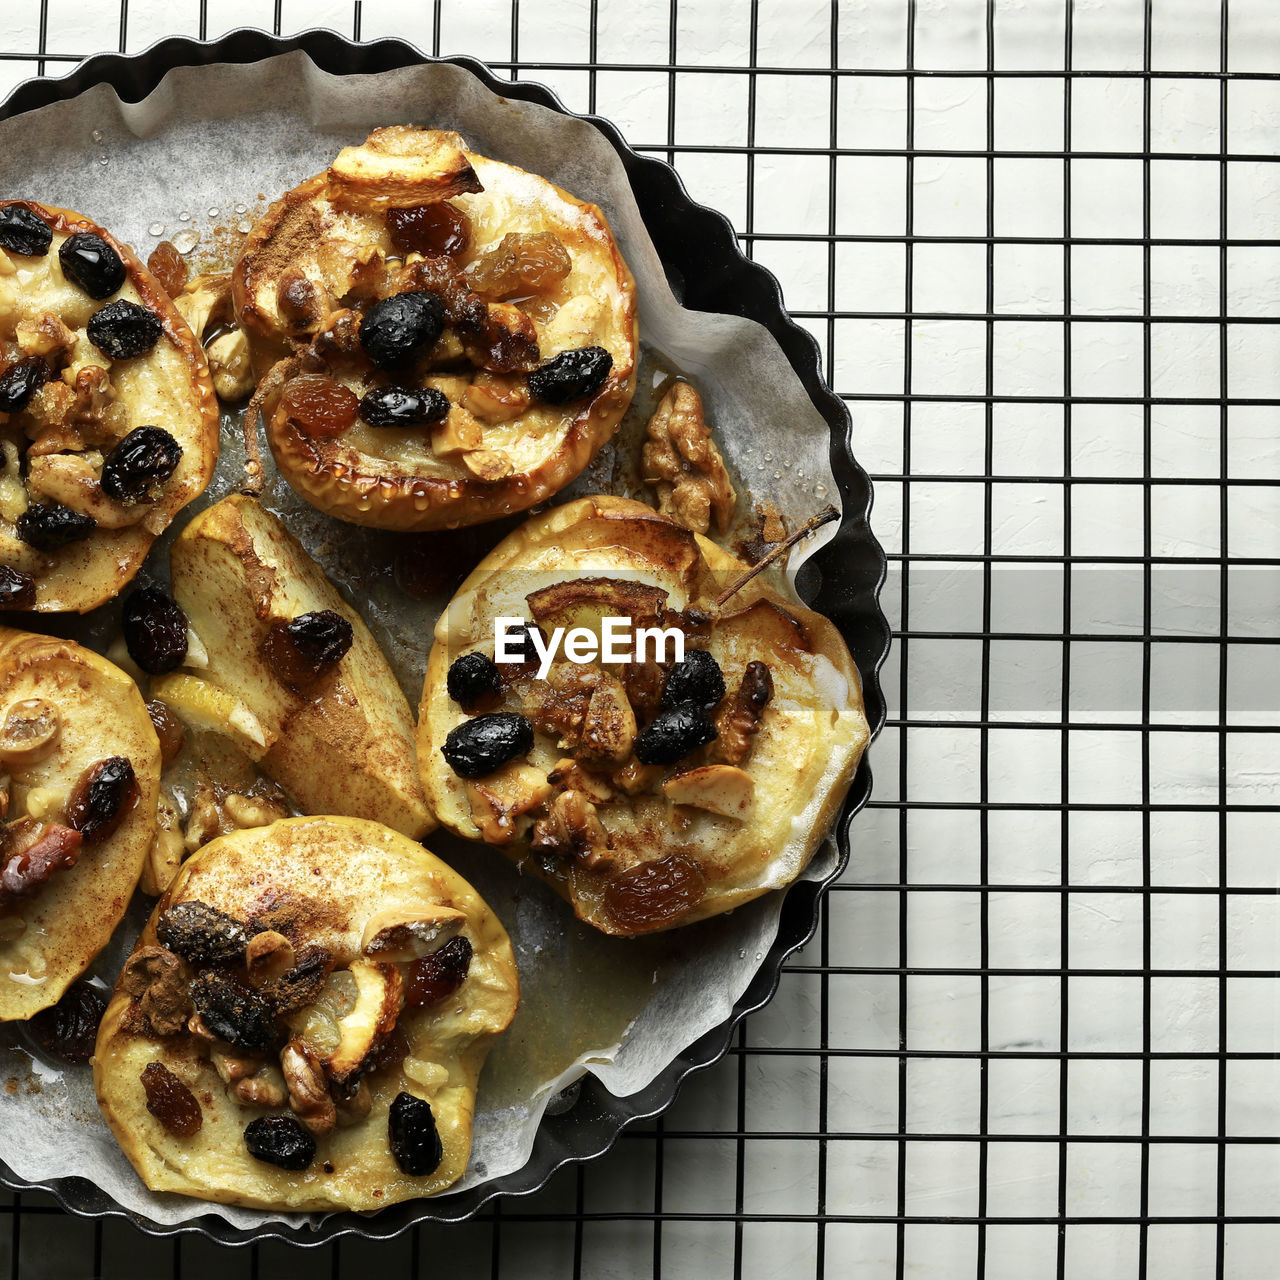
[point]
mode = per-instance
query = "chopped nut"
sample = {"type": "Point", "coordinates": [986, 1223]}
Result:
{"type": "Point", "coordinates": [399, 936]}
{"type": "Point", "coordinates": [230, 365]}
{"type": "Point", "coordinates": [45, 336]}
{"type": "Point", "coordinates": [572, 828]}
{"type": "Point", "coordinates": [569, 775]}
{"type": "Point", "coordinates": [457, 433]}
{"type": "Point", "coordinates": [265, 1088]}
{"type": "Point", "coordinates": [683, 464]}
{"type": "Point", "coordinates": [719, 788]}
{"type": "Point", "coordinates": [609, 725]}
{"type": "Point", "coordinates": [268, 956]}
{"type": "Point", "coordinates": [635, 778]}
{"type": "Point", "coordinates": [253, 811]}
{"type": "Point", "coordinates": [157, 979]}
{"type": "Point", "coordinates": [505, 795]}
{"type": "Point", "coordinates": [738, 720]}
{"type": "Point", "coordinates": [308, 1089]}
{"type": "Point", "coordinates": [558, 704]}
{"type": "Point", "coordinates": [494, 398]}
{"type": "Point", "coordinates": [488, 465]}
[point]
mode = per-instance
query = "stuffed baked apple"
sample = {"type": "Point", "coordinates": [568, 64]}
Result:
{"type": "Point", "coordinates": [302, 1023]}
{"type": "Point", "coordinates": [81, 770]}
{"type": "Point", "coordinates": [108, 420]}
{"type": "Point", "coordinates": [461, 334]}
{"type": "Point", "coordinates": [649, 793]}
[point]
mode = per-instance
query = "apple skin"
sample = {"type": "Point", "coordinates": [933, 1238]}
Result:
{"type": "Point", "coordinates": [346, 748]}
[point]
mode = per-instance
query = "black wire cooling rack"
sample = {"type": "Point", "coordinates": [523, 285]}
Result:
{"type": "Point", "coordinates": [1039, 244]}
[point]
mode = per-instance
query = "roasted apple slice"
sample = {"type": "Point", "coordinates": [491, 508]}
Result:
{"type": "Point", "coordinates": [302, 1023]}
{"type": "Point", "coordinates": [292, 670]}
{"type": "Point", "coordinates": [108, 419]}
{"type": "Point", "coordinates": [461, 334]}
{"type": "Point", "coordinates": [649, 793]}
{"type": "Point", "coordinates": [81, 766]}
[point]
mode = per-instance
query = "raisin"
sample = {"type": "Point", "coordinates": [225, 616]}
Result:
{"type": "Point", "coordinates": [431, 229]}
{"type": "Point", "coordinates": [202, 934]}
{"type": "Point", "coordinates": [302, 651]}
{"type": "Point", "coordinates": [69, 1028]}
{"type": "Point", "coordinates": [91, 264]}
{"type": "Point", "coordinates": [169, 730]}
{"type": "Point", "coordinates": [524, 262]}
{"type": "Point", "coordinates": [233, 1012]}
{"type": "Point", "coordinates": [757, 686]}
{"type": "Point", "coordinates": [389, 1050]}
{"type": "Point", "coordinates": [570, 376]}
{"type": "Point", "coordinates": [102, 798]}
{"type": "Point", "coordinates": [20, 381]}
{"type": "Point", "coordinates": [21, 231]}
{"type": "Point", "coordinates": [653, 894]}
{"type": "Point", "coordinates": [478, 747]}
{"type": "Point", "coordinates": [169, 267]}
{"type": "Point", "coordinates": [395, 331]}
{"type": "Point", "coordinates": [698, 679]}
{"type": "Point", "coordinates": [170, 1101]}
{"type": "Point", "coordinates": [123, 330]}
{"type": "Point", "coordinates": [50, 526]}
{"type": "Point", "coordinates": [147, 456]}
{"type": "Point", "coordinates": [300, 985]}
{"type": "Point", "coordinates": [155, 630]}
{"type": "Point", "coordinates": [473, 678]}
{"type": "Point", "coordinates": [17, 589]}
{"type": "Point", "coordinates": [280, 1140]}
{"type": "Point", "coordinates": [319, 405]}
{"type": "Point", "coordinates": [673, 733]}
{"type": "Point", "coordinates": [437, 976]}
{"type": "Point", "coordinates": [415, 1142]}
{"type": "Point", "coordinates": [403, 406]}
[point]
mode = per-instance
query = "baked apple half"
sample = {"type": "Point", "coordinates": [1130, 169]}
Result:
{"type": "Point", "coordinates": [108, 419]}
{"type": "Point", "coordinates": [460, 334]}
{"type": "Point", "coordinates": [287, 670]}
{"type": "Point", "coordinates": [650, 793]}
{"type": "Point", "coordinates": [81, 772]}
{"type": "Point", "coordinates": [303, 1021]}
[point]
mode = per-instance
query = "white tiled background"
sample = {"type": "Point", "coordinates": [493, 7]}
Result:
{"type": "Point", "coordinates": [1045, 992]}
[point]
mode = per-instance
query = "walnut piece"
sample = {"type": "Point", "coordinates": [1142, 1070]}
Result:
{"type": "Point", "coordinates": [572, 829]}
{"type": "Point", "coordinates": [157, 979]}
{"type": "Point", "coordinates": [684, 466]}
{"type": "Point", "coordinates": [308, 1089]}
{"type": "Point", "coordinates": [738, 720]}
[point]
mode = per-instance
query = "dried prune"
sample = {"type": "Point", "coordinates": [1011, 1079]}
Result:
{"type": "Point", "coordinates": [20, 381]}
{"type": "Point", "coordinates": [17, 589]}
{"type": "Point", "coordinates": [50, 526]}
{"type": "Point", "coordinates": [319, 405]}
{"type": "Point", "coordinates": [170, 1101]}
{"type": "Point", "coordinates": [673, 733]}
{"type": "Point", "coordinates": [69, 1028]}
{"type": "Point", "coordinates": [698, 679]}
{"type": "Point", "coordinates": [22, 232]}
{"type": "Point", "coordinates": [415, 1142]}
{"type": "Point", "coordinates": [169, 267]}
{"type": "Point", "coordinates": [280, 1140]}
{"type": "Point", "coordinates": [572, 375]}
{"type": "Point", "coordinates": [432, 230]}
{"type": "Point", "coordinates": [202, 934]}
{"type": "Point", "coordinates": [147, 456]}
{"type": "Point", "coordinates": [302, 651]}
{"type": "Point", "coordinates": [169, 730]}
{"type": "Point", "coordinates": [102, 798]}
{"type": "Point", "coordinates": [233, 1012]}
{"type": "Point", "coordinates": [395, 331]}
{"type": "Point", "coordinates": [478, 747]}
{"type": "Point", "coordinates": [472, 678]}
{"type": "Point", "coordinates": [654, 893]}
{"type": "Point", "coordinates": [123, 330]}
{"type": "Point", "coordinates": [404, 406]}
{"type": "Point", "coordinates": [91, 264]}
{"type": "Point", "coordinates": [155, 630]}
{"type": "Point", "coordinates": [437, 976]}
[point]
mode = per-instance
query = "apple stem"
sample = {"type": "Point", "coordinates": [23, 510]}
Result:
{"type": "Point", "coordinates": [825, 516]}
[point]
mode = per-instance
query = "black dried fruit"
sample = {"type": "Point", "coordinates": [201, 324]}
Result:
{"type": "Point", "coordinates": [50, 526]}
{"type": "Point", "coordinates": [437, 976]}
{"type": "Point", "coordinates": [301, 651]}
{"type": "Point", "coordinates": [146, 456]}
{"type": "Point", "coordinates": [672, 734]}
{"type": "Point", "coordinates": [395, 331]}
{"type": "Point", "coordinates": [280, 1140]}
{"type": "Point", "coordinates": [123, 330]}
{"type": "Point", "coordinates": [477, 747]}
{"type": "Point", "coordinates": [202, 934]}
{"type": "Point", "coordinates": [570, 376]}
{"type": "Point", "coordinates": [17, 589]}
{"type": "Point", "coordinates": [91, 264]}
{"type": "Point", "coordinates": [20, 381]}
{"type": "Point", "coordinates": [155, 630]}
{"type": "Point", "coordinates": [698, 679]}
{"type": "Point", "coordinates": [104, 795]}
{"type": "Point", "coordinates": [233, 1012]}
{"type": "Point", "coordinates": [22, 232]}
{"type": "Point", "coordinates": [472, 678]}
{"type": "Point", "coordinates": [69, 1028]}
{"type": "Point", "coordinates": [415, 1141]}
{"type": "Point", "coordinates": [403, 406]}
{"type": "Point", "coordinates": [757, 686]}
{"type": "Point", "coordinates": [170, 1101]}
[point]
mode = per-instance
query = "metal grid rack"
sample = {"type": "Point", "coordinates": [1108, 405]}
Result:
{"type": "Point", "coordinates": [1039, 244]}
